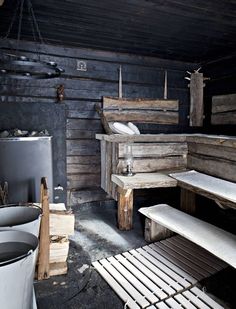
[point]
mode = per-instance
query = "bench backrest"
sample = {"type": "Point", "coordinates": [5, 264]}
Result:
{"type": "Point", "coordinates": [212, 156]}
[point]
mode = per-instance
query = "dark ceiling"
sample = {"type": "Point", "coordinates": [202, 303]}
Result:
{"type": "Point", "coordinates": [189, 30]}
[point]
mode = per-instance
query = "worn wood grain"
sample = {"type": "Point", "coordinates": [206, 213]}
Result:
{"type": "Point", "coordinates": [152, 165]}
{"type": "Point", "coordinates": [196, 100]}
{"type": "Point", "coordinates": [223, 103]}
{"type": "Point", "coordinates": [125, 209]}
{"type": "Point", "coordinates": [140, 104]}
{"type": "Point", "coordinates": [213, 166]}
{"type": "Point", "coordinates": [142, 116]}
{"type": "Point", "coordinates": [152, 150]}
{"type": "Point", "coordinates": [44, 240]}
{"type": "Point", "coordinates": [224, 118]}
{"type": "Point", "coordinates": [144, 181]}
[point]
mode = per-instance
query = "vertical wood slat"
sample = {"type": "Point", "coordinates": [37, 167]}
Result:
{"type": "Point", "coordinates": [196, 100]}
{"type": "Point", "coordinates": [44, 238]}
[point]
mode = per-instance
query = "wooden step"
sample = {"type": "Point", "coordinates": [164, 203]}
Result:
{"type": "Point", "coordinates": [215, 240]}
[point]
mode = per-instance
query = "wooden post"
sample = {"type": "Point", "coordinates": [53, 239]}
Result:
{"type": "Point", "coordinates": [188, 201]}
{"type": "Point", "coordinates": [125, 209]}
{"type": "Point", "coordinates": [155, 231]}
{"type": "Point", "coordinates": [44, 239]}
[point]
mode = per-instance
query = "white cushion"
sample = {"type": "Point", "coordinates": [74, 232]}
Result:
{"type": "Point", "coordinates": [120, 128]}
{"type": "Point", "coordinates": [133, 127]}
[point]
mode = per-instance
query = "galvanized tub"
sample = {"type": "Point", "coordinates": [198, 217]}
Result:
{"type": "Point", "coordinates": [20, 217]}
{"type": "Point", "coordinates": [18, 254]}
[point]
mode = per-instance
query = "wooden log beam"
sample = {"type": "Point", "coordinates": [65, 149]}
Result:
{"type": "Point", "coordinates": [125, 209]}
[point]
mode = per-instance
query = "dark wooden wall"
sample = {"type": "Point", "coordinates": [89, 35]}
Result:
{"type": "Point", "coordinates": [222, 73]}
{"type": "Point", "coordinates": [143, 77]}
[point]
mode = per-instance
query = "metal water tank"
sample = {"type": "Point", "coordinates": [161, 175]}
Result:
{"type": "Point", "coordinates": [23, 161]}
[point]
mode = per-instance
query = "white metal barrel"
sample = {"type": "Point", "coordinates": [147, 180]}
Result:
{"type": "Point", "coordinates": [20, 217]}
{"type": "Point", "coordinates": [18, 254]}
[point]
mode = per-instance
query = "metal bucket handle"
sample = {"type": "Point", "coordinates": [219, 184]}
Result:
{"type": "Point", "coordinates": [23, 256]}
{"type": "Point", "coordinates": [26, 204]}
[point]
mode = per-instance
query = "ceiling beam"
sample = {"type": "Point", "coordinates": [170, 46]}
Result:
{"type": "Point", "coordinates": [1, 2]}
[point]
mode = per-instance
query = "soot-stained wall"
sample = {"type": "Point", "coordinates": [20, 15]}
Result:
{"type": "Point", "coordinates": [32, 104]}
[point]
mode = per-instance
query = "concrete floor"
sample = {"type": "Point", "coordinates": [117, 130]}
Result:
{"type": "Point", "coordinates": [96, 236]}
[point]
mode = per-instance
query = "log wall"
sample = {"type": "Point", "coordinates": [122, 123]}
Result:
{"type": "Point", "coordinates": [222, 73]}
{"type": "Point", "coordinates": [143, 77]}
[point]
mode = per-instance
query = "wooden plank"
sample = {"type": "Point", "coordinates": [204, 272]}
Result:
{"type": "Point", "coordinates": [184, 302]}
{"type": "Point", "coordinates": [224, 118]}
{"type": "Point", "coordinates": [144, 180]}
{"type": "Point", "coordinates": [61, 223]}
{"type": "Point", "coordinates": [203, 257]}
{"type": "Point", "coordinates": [142, 116]}
{"type": "Point", "coordinates": [214, 261]}
{"type": "Point", "coordinates": [200, 272]}
{"type": "Point", "coordinates": [215, 240]}
{"type": "Point", "coordinates": [162, 257]}
{"type": "Point", "coordinates": [155, 150]}
{"type": "Point", "coordinates": [223, 103]}
{"type": "Point", "coordinates": [173, 303]}
{"type": "Point", "coordinates": [215, 166]}
{"type": "Point", "coordinates": [165, 285]}
{"type": "Point", "coordinates": [170, 244]}
{"type": "Point", "coordinates": [158, 247]}
{"type": "Point", "coordinates": [44, 241]}
{"type": "Point", "coordinates": [166, 269]}
{"type": "Point", "coordinates": [161, 285]}
{"type": "Point", "coordinates": [209, 301]}
{"type": "Point", "coordinates": [213, 151]}
{"type": "Point", "coordinates": [196, 99]}
{"type": "Point", "coordinates": [125, 209]}
{"type": "Point", "coordinates": [216, 187]}
{"type": "Point", "coordinates": [153, 104]}
{"type": "Point", "coordinates": [141, 276]}
{"type": "Point", "coordinates": [139, 298]}
{"type": "Point", "coordinates": [195, 300]}
{"type": "Point", "coordinates": [58, 252]}
{"type": "Point", "coordinates": [121, 292]}
{"type": "Point", "coordinates": [150, 165]}
{"type": "Point", "coordinates": [146, 138]}
{"type": "Point", "coordinates": [222, 140]}
{"type": "Point", "coordinates": [58, 269]}
{"type": "Point", "coordinates": [133, 280]}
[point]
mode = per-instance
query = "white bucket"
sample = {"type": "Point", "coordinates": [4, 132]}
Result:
{"type": "Point", "coordinates": [18, 254]}
{"type": "Point", "coordinates": [21, 218]}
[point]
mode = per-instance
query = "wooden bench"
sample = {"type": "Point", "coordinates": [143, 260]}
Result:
{"type": "Point", "coordinates": [126, 185]}
{"type": "Point", "coordinates": [214, 156]}
{"type": "Point", "coordinates": [221, 191]}
{"type": "Point", "coordinates": [215, 240]}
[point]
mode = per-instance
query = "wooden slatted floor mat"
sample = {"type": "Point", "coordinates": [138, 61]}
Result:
{"type": "Point", "coordinates": [158, 273]}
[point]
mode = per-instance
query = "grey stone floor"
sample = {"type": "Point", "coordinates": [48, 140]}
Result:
{"type": "Point", "coordinates": [96, 236]}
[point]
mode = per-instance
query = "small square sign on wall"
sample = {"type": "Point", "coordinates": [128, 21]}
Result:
{"type": "Point", "coordinates": [81, 65]}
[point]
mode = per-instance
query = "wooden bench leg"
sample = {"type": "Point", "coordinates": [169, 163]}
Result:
{"type": "Point", "coordinates": [187, 201]}
{"type": "Point", "coordinates": [125, 209]}
{"type": "Point", "coordinates": [155, 231]}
